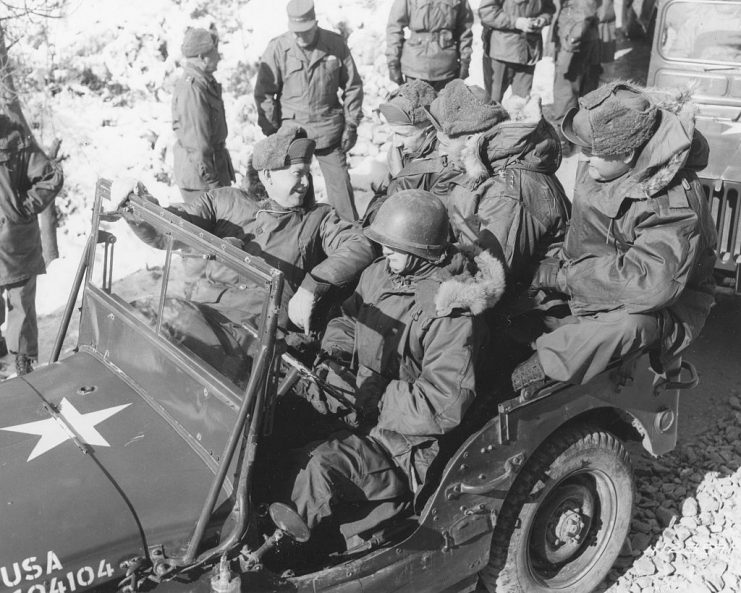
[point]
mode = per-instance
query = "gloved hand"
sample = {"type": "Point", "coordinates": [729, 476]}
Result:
{"type": "Point", "coordinates": [121, 189]}
{"type": "Point", "coordinates": [349, 138]}
{"type": "Point", "coordinates": [524, 24]}
{"type": "Point", "coordinates": [395, 73]}
{"type": "Point", "coordinates": [463, 72]}
{"type": "Point", "coordinates": [300, 308]}
{"type": "Point", "coordinates": [538, 23]}
{"type": "Point", "coordinates": [547, 276]}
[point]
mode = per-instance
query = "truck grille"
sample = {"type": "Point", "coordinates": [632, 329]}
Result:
{"type": "Point", "coordinates": [725, 207]}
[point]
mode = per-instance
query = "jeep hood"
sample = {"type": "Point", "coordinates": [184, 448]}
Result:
{"type": "Point", "coordinates": [724, 138]}
{"type": "Point", "coordinates": [91, 475]}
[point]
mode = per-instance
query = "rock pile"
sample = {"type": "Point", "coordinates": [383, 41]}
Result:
{"type": "Point", "coordinates": [686, 531]}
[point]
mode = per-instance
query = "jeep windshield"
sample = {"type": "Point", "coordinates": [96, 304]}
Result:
{"type": "Point", "coordinates": [703, 32]}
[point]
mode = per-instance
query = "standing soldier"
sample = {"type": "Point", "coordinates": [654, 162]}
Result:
{"type": "Point", "coordinates": [202, 161]}
{"type": "Point", "coordinates": [439, 45]}
{"type": "Point", "coordinates": [577, 58]}
{"type": "Point", "coordinates": [514, 43]}
{"type": "Point", "coordinates": [29, 181]}
{"type": "Point", "coordinates": [298, 81]}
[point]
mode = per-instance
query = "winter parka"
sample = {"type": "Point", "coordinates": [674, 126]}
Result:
{"type": "Point", "coordinates": [29, 181]}
{"type": "Point", "coordinates": [311, 245]}
{"type": "Point", "coordinates": [413, 339]}
{"type": "Point", "coordinates": [201, 159]}
{"type": "Point", "coordinates": [646, 241]}
{"type": "Point", "coordinates": [301, 88]}
{"type": "Point", "coordinates": [505, 42]}
{"type": "Point", "coordinates": [439, 42]}
{"type": "Point", "coordinates": [507, 198]}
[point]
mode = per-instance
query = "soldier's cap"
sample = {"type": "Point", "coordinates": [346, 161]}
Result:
{"type": "Point", "coordinates": [197, 42]}
{"type": "Point", "coordinates": [406, 105]}
{"type": "Point", "coordinates": [460, 110]}
{"type": "Point", "coordinates": [285, 147]}
{"type": "Point", "coordinates": [615, 119]}
{"type": "Point", "coordinates": [301, 15]}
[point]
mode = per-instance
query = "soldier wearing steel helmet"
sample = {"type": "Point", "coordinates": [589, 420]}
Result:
{"type": "Point", "coordinates": [412, 330]}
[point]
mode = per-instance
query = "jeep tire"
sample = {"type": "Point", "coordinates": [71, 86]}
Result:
{"type": "Point", "coordinates": [565, 519]}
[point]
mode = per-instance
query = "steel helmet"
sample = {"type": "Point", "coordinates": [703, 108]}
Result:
{"type": "Point", "coordinates": [414, 221]}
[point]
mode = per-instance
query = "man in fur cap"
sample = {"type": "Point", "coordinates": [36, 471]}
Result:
{"type": "Point", "coordinates": [637, 261]}
{"type": "Point", "coordinates": [412, 331]}
{"type": "Point", "coordinates": [201, 160]}
{"type": "Point", "coordinates": [413, 160]}
{"type": "Point", "coordinates": [504, 195]}
{"type": "Point", "coordinates": [316, 250]}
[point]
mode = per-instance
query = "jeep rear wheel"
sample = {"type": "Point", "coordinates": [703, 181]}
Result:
{"type": "Point", "coordinates": [565, 518]}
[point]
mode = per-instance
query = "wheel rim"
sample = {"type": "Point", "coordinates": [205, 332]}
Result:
{"type": "Point", "coordinates": [572, 529]}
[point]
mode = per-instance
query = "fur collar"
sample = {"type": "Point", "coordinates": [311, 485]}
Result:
{"type": "Point", "coordinates": [475, 288]}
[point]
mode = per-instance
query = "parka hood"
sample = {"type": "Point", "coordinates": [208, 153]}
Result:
{"type": "Point", "coordinates": [469, 281]}
{"type": "Point", "coordinates": [675, 145]}
{"type": "Point", "coordinates": [525, 141]}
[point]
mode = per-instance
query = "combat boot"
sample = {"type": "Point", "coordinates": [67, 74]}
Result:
{"type": "Point", "coordinates": [23, 364]}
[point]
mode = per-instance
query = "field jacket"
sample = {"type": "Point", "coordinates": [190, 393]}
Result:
{"type": "Point", "coordinates": [201, 159]}
{"type": "Point", "coordinates": [506, 43]}
{"type": "Point", "coordinates": [29, 181]}
{"type": "Point", "coordinates": [440, 37]}
{"type": "Point", "coordinates": [294, 87]}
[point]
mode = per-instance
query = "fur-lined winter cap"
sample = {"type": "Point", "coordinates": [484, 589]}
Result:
{"type": "Point", "coordinates": [197, 42]}
{"type": "Point", "coordinates": [615, 119]}
{"type": "Point", "coordinates": [406, 105]}
{"type": "Point", "coordinates": [457, 111]}
{"type": "Point", "coordinates": [285, 147]}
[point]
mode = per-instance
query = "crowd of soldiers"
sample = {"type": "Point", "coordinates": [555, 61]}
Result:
{"type": "Point", "coordinates": [470, 260]}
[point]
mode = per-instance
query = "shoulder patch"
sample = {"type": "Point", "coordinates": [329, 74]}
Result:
{"type": "Point", "coordinates": [678, 195]}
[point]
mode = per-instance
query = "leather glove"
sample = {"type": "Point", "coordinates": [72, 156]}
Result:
{"type": "Point", "coordinates": [463, 72]}
{"type": "Point", "coordinates": [121, 189]}
{"type": "Point", "coordinates": [395, 74]}
{"type": "Point", "coordinates": [349, 138]}
{"type": "Point", "coordinates": [300, 308]}
{"type": "Point", "coordinates": [547, 276]}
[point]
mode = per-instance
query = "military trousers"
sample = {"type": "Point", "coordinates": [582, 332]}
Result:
{"type": "Point", "coordinates": [347, 468]}
{"type": "Point", "coordinates": [333, 163]}
{"type": "Point", "coordinates": [575, 76]}
{"type": "Point", "coordinates": [21, 333]}
{"type": "Point", "coordinates": [582, 347]}
{"type": "Point", "coordinates": [498, 76]}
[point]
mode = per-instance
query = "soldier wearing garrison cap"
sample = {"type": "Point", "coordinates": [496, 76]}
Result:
{"type": "Point", "coordinates": [320, 255]}
{"type": "Point", "coordinates": [298, 81]}
{"type": "Point", "coordinates": [202, 161]}
{"type": "Point", "coordinates": [637, 261]}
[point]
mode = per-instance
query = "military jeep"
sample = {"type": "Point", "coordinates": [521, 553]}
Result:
{"type": "Point", "coordinates": [130, 463]}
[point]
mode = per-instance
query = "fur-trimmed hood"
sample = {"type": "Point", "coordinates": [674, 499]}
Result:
{"type": "Point", "coordinates": [675, 145]}
{"type": "Point", "coordinates": [525, 141]}
{"type": "Point", "coordinates": [469, 282]}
